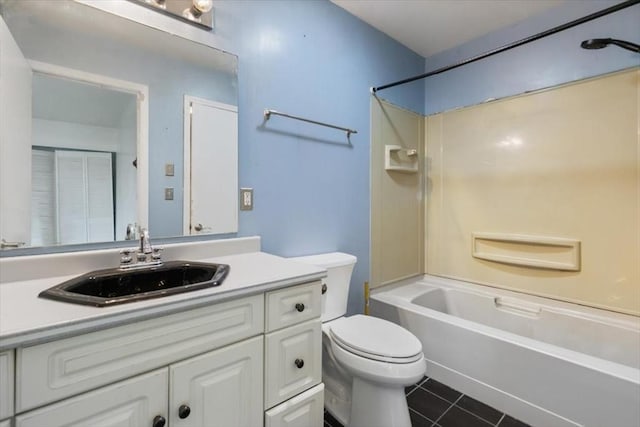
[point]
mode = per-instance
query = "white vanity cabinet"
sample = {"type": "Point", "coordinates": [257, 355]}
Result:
{"type": "Point", "coordinates": [6, 385]}
{"type": "Point", "coordinates": [248, 361]}
{"type": "Point", "coordinates": [293, 357]}
{"type": "Point", "coordinates": [213, 352]}
{"type": "Point", "coordinates": [219, 388]}
{"type": "Point", "coordinates": [59, 369]}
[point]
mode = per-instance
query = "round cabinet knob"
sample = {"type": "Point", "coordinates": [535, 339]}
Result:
{"type": "Point", "coordinates": [300, 307]}
{"type": "Point", "coordinates": [324, 288]}
{"type": "Point", "coordinates": [183, 411]}
{"type": "Point", "coordinates": [198, 227]}
{"type": "Point", "coordinates": [299, 363]}
{"type": "Point", "coordinates": [159, 421]}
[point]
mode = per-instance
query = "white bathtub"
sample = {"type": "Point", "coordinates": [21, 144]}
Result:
{"type": "Point", "coordinates": [545, 362]}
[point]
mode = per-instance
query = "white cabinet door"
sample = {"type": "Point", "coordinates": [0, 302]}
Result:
{"type": "Point", "coordinates": [303, 410]}
{"type": "Point", "coordinates": [135, 402]}
{"type": "Point", "coordinates": [222, 388]}
{"type": "Point", "coordinates": [293, 361]}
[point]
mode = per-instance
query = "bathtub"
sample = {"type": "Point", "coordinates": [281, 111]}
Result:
{"type": "Point", "coordinates": [545, 362]}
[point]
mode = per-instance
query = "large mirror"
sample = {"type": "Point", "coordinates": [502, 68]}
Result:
{"type": "Point", "coordinates": [95, 123]}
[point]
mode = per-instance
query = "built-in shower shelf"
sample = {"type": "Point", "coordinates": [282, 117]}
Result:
{"type": "Point", "coordinates": [400, 159]}
{"type": "Point", "coordinates": [552, 253]}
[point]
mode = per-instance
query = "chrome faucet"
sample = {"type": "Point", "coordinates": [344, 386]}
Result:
{"type": "Point", "coordinates": [145, 254]}
{"type": "Point", "coordinates": [130, 233]}
{"type": "Point", "coordinates": [145, 244]}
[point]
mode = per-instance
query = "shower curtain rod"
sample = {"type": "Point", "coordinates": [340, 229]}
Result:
{"type": "Point", "coordinates": [512, 45]}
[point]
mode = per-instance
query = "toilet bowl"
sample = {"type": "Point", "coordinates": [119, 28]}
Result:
{"type": "Point", "coordinates": [366, 361]}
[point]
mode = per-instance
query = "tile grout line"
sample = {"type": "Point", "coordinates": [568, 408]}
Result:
{"type": "Point", "coordinates": [416, 386]}
{"type": "Point", "coordinates": [446, 410]}
{"type": "Point", "coordinates": [440, 397]}
{"type": "Point", "coordinates": [501, 418]}
{"type": "Point", "coordinates": [420, 415]}
{"type": "Point", "coordinates": [478, 416]}
{"type": "Point", "coordinates": [411, 391]}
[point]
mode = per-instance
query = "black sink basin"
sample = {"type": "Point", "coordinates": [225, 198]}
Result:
{"type": "Point", "coordinates": [113, 286]}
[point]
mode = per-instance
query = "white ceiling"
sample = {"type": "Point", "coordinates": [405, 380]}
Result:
{"type": "Point", "coordinates": [431, 26]}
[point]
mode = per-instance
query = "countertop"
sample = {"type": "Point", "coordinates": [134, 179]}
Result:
{"type": "Point", "coordinates": [26, 319]}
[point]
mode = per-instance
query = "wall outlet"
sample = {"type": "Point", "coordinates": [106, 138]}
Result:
{"type": "Point", "coordinates": [169, 169]}
{"type": "Point", "coordinates": [246, 199]}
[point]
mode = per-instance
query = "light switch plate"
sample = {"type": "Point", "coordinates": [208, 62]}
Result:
{"type": "Point", "coordinates": [168, 193]}
{"type": "Point", "coordinates": [246, 199]}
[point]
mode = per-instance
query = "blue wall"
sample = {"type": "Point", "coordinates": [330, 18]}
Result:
{"type": "Point", "coordinates": [312, 59]}
{"type": "Point", "coordinates": [547, 62]}
{"type": "Point", "coordinates": [311, 187]}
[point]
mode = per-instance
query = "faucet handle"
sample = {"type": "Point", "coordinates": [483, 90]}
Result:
{"type": "Point", "coordinates": [126, 257]}
{"type": "Point", "coordinates": [156, 255]}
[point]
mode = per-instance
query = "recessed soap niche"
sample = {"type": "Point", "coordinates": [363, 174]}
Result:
{"type": "Point", "coordinates": [400, 159]}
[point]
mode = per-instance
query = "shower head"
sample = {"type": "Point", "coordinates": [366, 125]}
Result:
{"type": "Point", "coordinates": [602, 43]}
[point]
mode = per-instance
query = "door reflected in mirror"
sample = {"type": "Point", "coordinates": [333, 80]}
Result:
{"type": "Point", "coordinates": [86, 94]}
{"type": "Point", "coordinates": [83, 169]}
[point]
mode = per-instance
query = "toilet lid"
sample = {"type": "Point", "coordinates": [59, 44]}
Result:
{"type": "Point", "coordinates": [376, 338]}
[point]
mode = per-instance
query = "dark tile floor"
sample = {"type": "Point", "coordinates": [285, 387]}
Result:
{"type": "Point", "coordinates": [433, 404]}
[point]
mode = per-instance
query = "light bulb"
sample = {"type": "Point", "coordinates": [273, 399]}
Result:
{"type": "Point", "coordinates": [157, 3]}
{"type": "Point", "coordinates": [194, 13]}
{"type": "Point", "coordinates": [203, 6]}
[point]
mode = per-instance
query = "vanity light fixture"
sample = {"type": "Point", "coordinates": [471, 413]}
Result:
{"type": "Point", "coordinates": [195, 12]}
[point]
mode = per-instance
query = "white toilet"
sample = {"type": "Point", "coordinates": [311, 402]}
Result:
{"type": "Point", "coordinates": [366, 361]}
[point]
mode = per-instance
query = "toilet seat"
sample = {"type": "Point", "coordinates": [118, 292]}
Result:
{"type": "Point", "coordinates": [376, 339]}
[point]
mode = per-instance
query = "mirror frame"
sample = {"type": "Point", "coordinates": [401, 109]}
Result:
{"type": "Point", "coordinates": [150, 18]}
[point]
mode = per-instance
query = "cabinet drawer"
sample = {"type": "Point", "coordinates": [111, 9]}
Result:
{"type": "Point", "coordinates": [134, 402]}
{"type": "Point", "coordinates": [303, 410]}
{"type": "Point", "coordinates": [59, 369]}
{"type": "Point", "coordinates": [296, 304]}
{"type": "Point", "coordinates": [293, 361]}
{"type": "Point", "coordinates": [6, 384]}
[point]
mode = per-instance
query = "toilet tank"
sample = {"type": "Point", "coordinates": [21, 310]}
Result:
{"type": "Point", "coordinates": [339, 267]}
